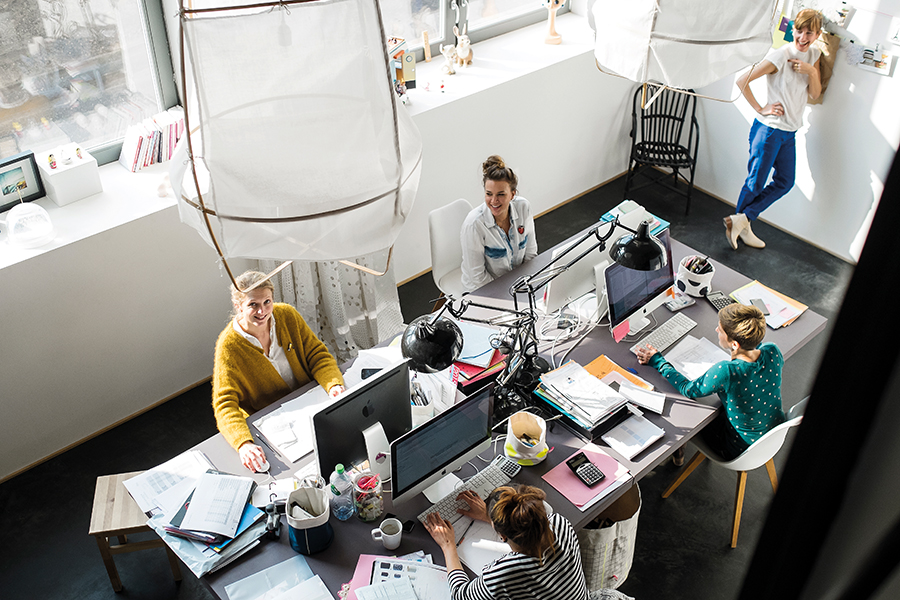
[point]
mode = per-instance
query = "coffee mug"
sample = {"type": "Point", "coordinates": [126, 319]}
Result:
{"type": "Point", "coordinates": [389, 532]}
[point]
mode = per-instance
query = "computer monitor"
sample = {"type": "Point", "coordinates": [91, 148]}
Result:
{"type": "Point", "coordinates": [424, 456]}
{"type": "Point", "coordinates": [361, 422]}
{"type": "Point", "coordinates": [632, 294]}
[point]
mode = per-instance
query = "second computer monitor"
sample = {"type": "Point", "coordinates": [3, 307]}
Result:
{"type": "Point", "coordinates": [429, 452]}
{"type": "Point", "coordinates": [382, 398]}
{"type": "Point", "coordinates": [632, 294]}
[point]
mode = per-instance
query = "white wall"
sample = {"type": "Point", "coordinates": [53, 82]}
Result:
{"type": "Point", "coordinates": [96, 331]}
{"type": "Point", "coordinates": [844, 149]}
{"type": "Point", "coordinates": [562, 129]}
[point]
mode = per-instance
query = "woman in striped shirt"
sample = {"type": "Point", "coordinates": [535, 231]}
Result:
{"type": "Point", "coordinates": [545, 562]}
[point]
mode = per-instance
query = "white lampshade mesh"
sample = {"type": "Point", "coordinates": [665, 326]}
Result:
{"type": "Point", "coordinates": [681, 43]}
{"type": "Point", "coordinates": [297, 121]}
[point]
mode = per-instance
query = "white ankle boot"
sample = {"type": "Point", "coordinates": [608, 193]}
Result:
{"type": "Point", "coordinates": [734, 225]}
{"type": "Point", "coordinates": [748, 237]}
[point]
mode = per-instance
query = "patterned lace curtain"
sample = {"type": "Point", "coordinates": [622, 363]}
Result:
{"type": "Point", "coordinates": [347, 308]}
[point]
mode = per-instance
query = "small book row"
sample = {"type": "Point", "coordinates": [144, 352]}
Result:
{"type": "Point", "coordinates": [152, 140]}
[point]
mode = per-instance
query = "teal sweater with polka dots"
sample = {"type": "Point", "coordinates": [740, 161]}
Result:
{"type": "Point", "coordinates": [750, 392]}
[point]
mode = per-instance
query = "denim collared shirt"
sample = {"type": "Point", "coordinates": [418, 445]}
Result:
{"type": "Point", "coordinates": [488, 251]}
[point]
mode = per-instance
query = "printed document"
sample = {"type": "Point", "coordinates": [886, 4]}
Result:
{"type": "Point", "coordinates": [693, 357]}
{"type": "Point", "coordinates": [144, 488]}
{"type": "Point", "coordinates": [217, 504]}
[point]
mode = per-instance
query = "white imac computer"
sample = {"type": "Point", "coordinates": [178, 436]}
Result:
{"type": "Point", "coordinates": [361, 422]}
{"type": "Point", "coordinates": [576, 282]}
{"type": "Point", "coordinates": [632, 295]}
{"type": "Point", "coordinates": [424, 457]}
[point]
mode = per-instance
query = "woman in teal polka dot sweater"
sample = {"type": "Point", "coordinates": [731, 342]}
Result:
{"type": "Point", "coordinates": [749, 384]}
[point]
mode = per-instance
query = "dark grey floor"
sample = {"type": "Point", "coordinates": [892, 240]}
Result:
{"type": "Point", "coordinates": [682, 548]}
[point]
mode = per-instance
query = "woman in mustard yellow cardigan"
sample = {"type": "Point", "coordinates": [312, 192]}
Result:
{"type": "Point", "coordinates": [263, 354]}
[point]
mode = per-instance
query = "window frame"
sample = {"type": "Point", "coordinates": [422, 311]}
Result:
{"type": "Point", "coordinates": [458, 9]}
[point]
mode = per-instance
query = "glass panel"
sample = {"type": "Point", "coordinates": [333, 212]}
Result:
{"type": "Point", "coordinates": [73, 71]}
{"type": "Point", "coordinates": [484, 13]}
{"type": "Point", "coordinates": [409, 18]}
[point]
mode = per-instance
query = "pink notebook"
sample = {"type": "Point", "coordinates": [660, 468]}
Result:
{"type": "Point", "coordinates": [567, 483]}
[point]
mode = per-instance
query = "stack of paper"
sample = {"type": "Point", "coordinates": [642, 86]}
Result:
{"type": "Point", "coordinates": [581, 396]}
{"type": "Point", "coordinates": [782, 310]}
{"type": "Point", "coordinates": [692, 357]}
{"type": "Point", "coordinates": [633, 435]}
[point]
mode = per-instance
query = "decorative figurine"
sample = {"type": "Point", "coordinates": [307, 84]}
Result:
{"type": "Point", "coordinates": [552, 6]}
{"type": "Point", "coordinates": [463, 47]}
{"type": "Point", "coordinates": [449, 52]}
{"type": "Point", "coordinates": [78, 153]}
{"type": "Point", "coordinates": [52, 160]}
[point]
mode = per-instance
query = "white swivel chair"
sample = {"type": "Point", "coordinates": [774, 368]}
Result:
{"type": "Point", "coordinates": [444, 227]}
{"type": "Point", "coordinates": [762, 452]}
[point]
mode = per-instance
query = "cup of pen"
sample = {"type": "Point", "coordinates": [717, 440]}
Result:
{"type": "Point", "coordinates": [695, 274]}
{"type": "Point", "coordinates": [367, 498]}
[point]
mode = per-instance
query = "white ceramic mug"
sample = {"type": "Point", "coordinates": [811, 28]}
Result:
{"type": "Point", "coordinates": [389, 532]}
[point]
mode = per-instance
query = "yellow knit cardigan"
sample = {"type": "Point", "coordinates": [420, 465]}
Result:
{"type": "Point", "coordinates": [244, 381]}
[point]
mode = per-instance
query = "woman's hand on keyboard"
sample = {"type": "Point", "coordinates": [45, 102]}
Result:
{"type": "Point", "coordinates": [441, 531]}
{"type": "Point", "coordinates": [646, 353]}
{"type": "Point", "coordinates": [477, 508]}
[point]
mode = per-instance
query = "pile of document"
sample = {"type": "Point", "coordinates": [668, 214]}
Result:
{"type": "Point", "coordinates": [582, 398]}
{"type": "Point", "coordinates": [203, 515]}
{"type": "Point", "coordinates": [152, 140]}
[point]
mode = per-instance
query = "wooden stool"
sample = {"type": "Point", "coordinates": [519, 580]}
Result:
{"type": "Point", "coordinates": [116, 514]}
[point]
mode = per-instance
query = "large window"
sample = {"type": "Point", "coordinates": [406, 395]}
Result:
{"type": "Point", "coordinates": [80, 71]}
{"type": "Point", "coordinates": [484, 18]}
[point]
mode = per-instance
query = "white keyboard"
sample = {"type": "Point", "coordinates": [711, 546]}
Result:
{"type": "Point", "coordinates": [499, 472]}
{"type": "Point", "coordinates": [667, 334]}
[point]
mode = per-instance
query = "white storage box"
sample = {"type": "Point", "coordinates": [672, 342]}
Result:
{"type": "Point", "coordinates": [69, 182]}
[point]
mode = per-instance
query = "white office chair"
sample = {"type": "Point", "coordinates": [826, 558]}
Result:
{"type": "Point", "coordinates": [444, 227]}
{"type": "Point", "coordinates": [762, 452]}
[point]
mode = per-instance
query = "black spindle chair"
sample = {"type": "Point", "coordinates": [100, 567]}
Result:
{"type": "Point", "coordinates": [656, 140]}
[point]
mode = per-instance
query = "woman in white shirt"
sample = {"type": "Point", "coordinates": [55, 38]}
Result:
{"type": "Point", "coordinates": [498, 235]}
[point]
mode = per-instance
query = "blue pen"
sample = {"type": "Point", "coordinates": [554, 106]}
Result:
{"type": "Point", "coordinates": [631, 370]}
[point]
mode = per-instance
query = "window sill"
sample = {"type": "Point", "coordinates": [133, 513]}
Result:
{"type": "Point", "coordinates": [499, 60]}
{"type": "Point", "coordinates": [127, 197]}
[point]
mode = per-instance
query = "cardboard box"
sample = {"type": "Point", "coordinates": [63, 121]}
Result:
{"type": "Point", "coordinates": [67, 183]}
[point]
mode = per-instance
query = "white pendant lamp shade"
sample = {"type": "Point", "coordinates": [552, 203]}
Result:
{"type": "Point", "coordinates": [681, 43]}
{"type": "Point", "coordinates": [302, 150]}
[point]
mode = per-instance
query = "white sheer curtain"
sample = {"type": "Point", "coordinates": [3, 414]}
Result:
{"type": "Point", "coordinates": [347, 308]}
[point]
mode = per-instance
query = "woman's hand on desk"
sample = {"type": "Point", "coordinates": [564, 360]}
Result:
{"type": "Point", "coordinates": [252, 456]}
{"type": "Point", "coordinates": [645, 353]}
{"type": "Point", "coordinates": [335, 390]}
{"type": "Point", "coordinates": [477, 508]}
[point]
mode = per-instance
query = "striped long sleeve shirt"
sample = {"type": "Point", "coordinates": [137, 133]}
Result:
{"type": "Point", "coordinates": [515, 576]}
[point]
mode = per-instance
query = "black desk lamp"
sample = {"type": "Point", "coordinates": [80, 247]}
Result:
{"type": "Point", "coordinates": [432, 342]}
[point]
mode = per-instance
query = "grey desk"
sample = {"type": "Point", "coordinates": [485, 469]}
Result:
{"type": "Point", "coordinates": [681, 420]}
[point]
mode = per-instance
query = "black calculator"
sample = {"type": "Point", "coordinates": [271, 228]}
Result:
{"type": "Point", "coordinates": [586, 471]}
{"type": "Point", "coordinates": [719, 299]}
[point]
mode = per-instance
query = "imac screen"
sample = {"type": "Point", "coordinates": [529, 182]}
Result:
{"type": "Point", "coordinates": [430, 451]}
{"type": "Point", "coordinates": [629, 290]}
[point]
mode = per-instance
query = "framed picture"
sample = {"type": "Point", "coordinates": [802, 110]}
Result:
{"type": "Point", "coordinates": [19, 178]}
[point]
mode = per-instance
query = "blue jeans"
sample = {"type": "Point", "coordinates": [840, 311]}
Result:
{"type": "Point", "coordinates": [769, 148]}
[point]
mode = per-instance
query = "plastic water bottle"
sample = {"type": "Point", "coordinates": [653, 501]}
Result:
{"type": "Point", "coordinates": [341, 494]}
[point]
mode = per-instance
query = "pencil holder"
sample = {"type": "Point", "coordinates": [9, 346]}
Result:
{"type": "Point", "coordinates": [693, 283]}
{"type": "Point", "coordinates": [367, 496]}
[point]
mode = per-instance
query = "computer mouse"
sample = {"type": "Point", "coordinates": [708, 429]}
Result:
{"type": "Point", "coordinates": [264, 468]}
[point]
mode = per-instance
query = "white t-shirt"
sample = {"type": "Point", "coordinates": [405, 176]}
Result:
{"type": "Point", "coordinates": [788, 86]}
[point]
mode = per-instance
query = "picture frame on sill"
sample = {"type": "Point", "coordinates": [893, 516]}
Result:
{"type": "Point", "coordinates": [19, 179]}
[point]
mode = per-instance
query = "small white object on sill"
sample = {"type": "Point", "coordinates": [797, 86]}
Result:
{"type": "Point", "coordinates": [74, 177]}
